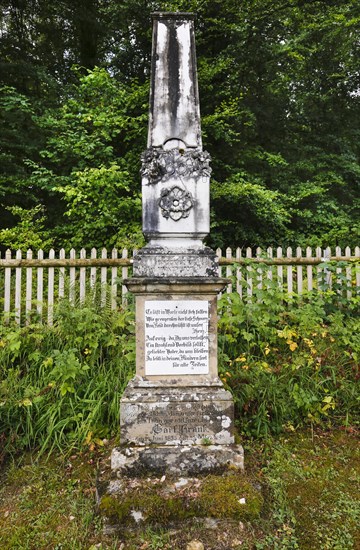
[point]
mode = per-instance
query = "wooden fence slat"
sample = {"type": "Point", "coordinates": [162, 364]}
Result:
{"type": "Point", "coordinates": [348, 275]}
{"type": "Point", "coordinates": [280, 271]}
{"type": "Point", "coordinates": [103, 279]}
{"type": "Point", "coordinates": [239, 288]}
{"type": "Point", "coordinates": [249, 274]}
{"type": "Point", "coordinates": [7, 287]}
{"type": "Point", "coordinates": [218, 253]}
{"type": "Point", "coordinates": [40, 286]}
{"type": "Point", "coordinates": [51, 285]}
{"type": "Point", "coordinates": [357, 269]}
{"type": "Point", "coordinates": [93, 270]}
{"type": "Point", "coordinates": [299, 271]}
{"type": "Point", "coordinates": [114, 274]}
{"type": "Point", "coordinates": [318, 254]}
{"type": "Point", "coordinates": [328, 278]}
{"type": "Point", "coordinates": [228, 271]}
{"type": "Point", "coordinates": [259, 271]}
{"type": "Point", "coordinates": [289, 272]}
{"type": "Point", "coordinates": [309, 270]}
{"type": "Point", "coordinates": [61, 275]}
{"type": "Point", "coordinates": [72, 279]}
{"type": "Point", "coordinates": [28, 294]}
{"type": "Point", "coordinates": [124, 275]}
{"type": "Point", "coordinates": [82, 278]}
{"type": "Point", "coordinates": [18, 289]}
{"type": "Point", "coordinates": [269, 253]}
{"type": "Point", "coordinates": [338, 269]}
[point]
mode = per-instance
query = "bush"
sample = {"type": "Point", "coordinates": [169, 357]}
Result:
{"type": "Point", "coordinates": [290, 360]}
{"type": "Point", "coordinates": [60, 386]}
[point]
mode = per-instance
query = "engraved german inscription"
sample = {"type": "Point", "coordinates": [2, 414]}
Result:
{"type": "Point", "coordinates": [176, 337]}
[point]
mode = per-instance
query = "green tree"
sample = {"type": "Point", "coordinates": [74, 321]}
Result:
{"type": "Point", "coordinates": [91, 162]}
{"type": "Point", "coordinates": [279, 91]}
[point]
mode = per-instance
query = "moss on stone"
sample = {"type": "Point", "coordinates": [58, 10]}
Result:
{"type": "Point", "coordinates": [230, 496]}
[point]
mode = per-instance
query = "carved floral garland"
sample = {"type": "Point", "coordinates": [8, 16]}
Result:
{"type": "Point", "coordinates": [159, 165]}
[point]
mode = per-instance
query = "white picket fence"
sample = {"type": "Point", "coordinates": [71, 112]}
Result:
{"type": "Point", "coordinates": [31, 284]}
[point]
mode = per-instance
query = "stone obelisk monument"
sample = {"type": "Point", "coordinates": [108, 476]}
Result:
{"type": "Point", "coordinates": [175, 414]}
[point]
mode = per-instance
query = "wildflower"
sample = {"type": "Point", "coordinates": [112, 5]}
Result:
{"type": "Point", "coordinates": [292, 345]}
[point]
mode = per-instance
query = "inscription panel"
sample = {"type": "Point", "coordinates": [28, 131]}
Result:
{"type": "Point", "coordinates": [178, 422]}
{"type": "Point", "coordinates": [169, 423]}
{"type": "Point", "coordinates": [176, 337]}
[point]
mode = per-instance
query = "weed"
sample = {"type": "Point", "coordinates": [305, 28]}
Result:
{"type": "Point", "coordinates": [60, 386]}
{"type": "Point", "coordinates": [289, 360]}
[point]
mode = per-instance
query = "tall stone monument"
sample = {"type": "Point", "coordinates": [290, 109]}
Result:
{"type": "Point", "coordinates": [175, 414]}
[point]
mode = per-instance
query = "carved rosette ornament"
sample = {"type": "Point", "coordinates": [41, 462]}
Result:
{"type": "Point", "coordinates": [175, 203]}
{"type": "Point", "coordinates": [159, 165]}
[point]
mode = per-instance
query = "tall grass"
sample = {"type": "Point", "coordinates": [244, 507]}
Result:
{"type": "Point", "coordinates": [288, 360]}
{"type": "Point", "coordinates": [60, 386]}
{"type": "Point", "coordinates": [291, 360]}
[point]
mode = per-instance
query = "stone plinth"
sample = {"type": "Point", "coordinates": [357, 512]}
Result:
{"type": "Point", "coordinates": [176, 330]}
{"type": "Point", "coordinates": [176, 416]}
{"type": "Point", "coordinates": [176, 399]}
{"type": "Point", "coordinates": [165, 262]}
{"type": "Point", "coordinates": [178, 460]}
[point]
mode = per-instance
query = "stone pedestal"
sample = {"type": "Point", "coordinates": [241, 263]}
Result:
{"type": "Point", "coordinates": [176, 417]}
{"type": "Point", "coordinates": [176, 398]}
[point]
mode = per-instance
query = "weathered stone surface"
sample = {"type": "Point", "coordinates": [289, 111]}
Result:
{"type": "Point", "coordinates": [175, 262]}
{"type": "Point", "coordinates": [175, 170]}
{"type": "Point", "coordinates": [195, 545]}
{"type": "Point", "coordinates": [174, 98]}
{"type": "Point", "coordinates": [180, 460]}
{"type": "Point", "coordinates": [177, 416]}
{"type": "Point", "coordinates": [190, 295]}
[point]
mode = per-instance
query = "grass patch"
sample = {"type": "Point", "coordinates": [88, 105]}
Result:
{"type": "Point", "coordinates": [309, 498]}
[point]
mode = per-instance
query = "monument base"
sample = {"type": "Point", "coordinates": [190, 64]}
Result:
{"type": "Point", "coordinates": [178, 415]}
{"type": "Point", "coordinates": [176, 460]}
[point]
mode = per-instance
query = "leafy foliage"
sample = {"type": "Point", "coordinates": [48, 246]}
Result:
{"type": "Point", "coordinates": [290, 360]}
{"type": "Point", "coordinates": [60, 386]}
{"type": "Point", "coordinates": [280, 116]}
